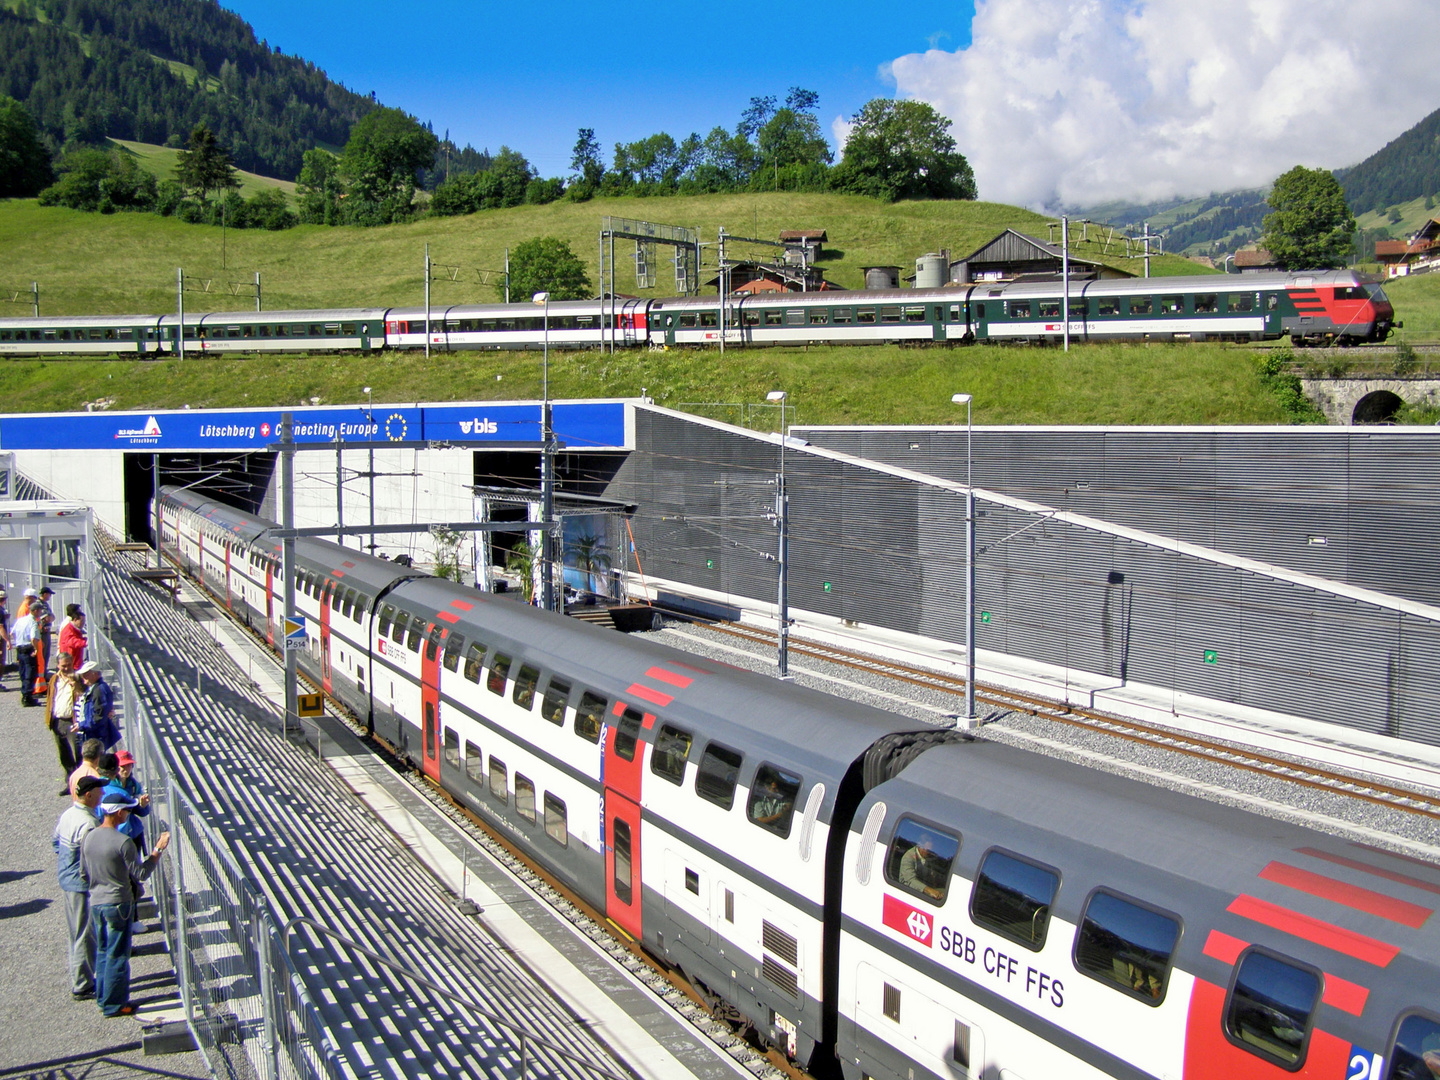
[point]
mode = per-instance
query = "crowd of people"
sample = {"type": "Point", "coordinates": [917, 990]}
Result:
{"type": "Point", "coordinates": [100, 843]}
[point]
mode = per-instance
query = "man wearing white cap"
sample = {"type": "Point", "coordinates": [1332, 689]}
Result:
{"type": "Point", "coordinates": [26, 631]}
{"type": "Point", "coordinates": [112, 870]}
{"type": "Point", "coordinates": [97, 719]}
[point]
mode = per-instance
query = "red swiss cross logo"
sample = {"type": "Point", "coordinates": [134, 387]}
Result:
{"type": "Point", "coordinates": [910, 921]}
{"type": "Point", "coordinates": [264, 431]}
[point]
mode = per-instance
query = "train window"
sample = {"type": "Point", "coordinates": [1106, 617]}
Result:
{"type": "Point", "coordinates": [316, 330]}
{"type": "Point", "coordinates": [347, 603]}
{"type": "Point", "coordinates": [795, 317]}
{"type": "Point", "coordinates": [1079, 309]}
{"type": "Point", "coordinates": [1206, 304]}
{"type": "Point", "coordinates": [715, 779]}
{"type": "Point", "coordinates": [672, 750]}
{"type": "Point", "coordinates": [620, 833]}
{"type": "Point", "coordinates": [842, 316]}
{"type": "Point", "coordinates": [865, 315]}
{"type": "Point", "coordinates": [1048, 309]}
{"type": "Point", "coordinates": [1242, 302]}
{"type": "Point", "coordinates": [772, 799]}
{"type": "Point", "coordinates": [589, 715]}
{"type": "Point", "coordinates": [452, 748]}
{"type": "Point", "coordinates": [889, 314]}
{"type": "Point", "coordinates": [1416, 1055]}
{"type": "Point", "coordinates": [474, 661]}
{"type": "Point", "coordinates": [979, 311]}
{"type": "Point", "coordinates": [1019, 309]}
{"type": "Point", "coordinates": [348, 329]}
{"type": "Point", "coordinates": [499, 780]}
{"type": "Point", "coordinates": [474, 763]}
{"type": "Point", "coordinates": [555, 820]}
{"type": "Point", "coordinates": [432, 643]}
{"type": "Point", "coordinates": [525, 684]}
{"type": "Point", "coordinates": [282, 331]}
{"type": "Point", "coordinates": [750, 317]}
{"type": "Point", "coordinates": [397, 632]}
{"type": "Point", "coordinates": [1172, 305]}
{"type": "Point", "coordinates": [627, 735]}
{"type": "Point", "coordinates": [955, 313]}
{"type": "Point", "coordinates": [1142, 305]}
{"type": "Point", "coordinates": [499, 672]}
{"type": "Point", "coordinates": [337, 595]}
{"type": "Point", "coordinates": [708, 318]}
{"type": "Point", "coordinates": [817, 317]}
{"type": "Point", "coordinates": [920, 858]}
{"type": "Point", "coordinates": [525, 797]}
{"type": "Point", "coordinates": [914, 314]}
{"type": "Point", "coordinates": [417, 628]}
{"type": "Point", "coordinates": [557, 696]}
{"type": "Point", "coordinates": [1013, 896]}
{"type": "Point", "coordinates": [332, 329]}
{"type": "Point", "coordinates": [453, 645]}
{"type": "Point", "coordinates": [1107, 305]}
{"type": "Point", "coordinates": [1126, 945]}
{"type": "Point", "coordinates": [687, 320]}
{"type": "Point", "coordinates": [1271, 1004]}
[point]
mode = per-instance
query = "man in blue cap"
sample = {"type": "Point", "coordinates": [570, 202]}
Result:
{"type": "Point", "coordinates": [112, 870]}
{"type": "Point", "coordinates": [74, 825]}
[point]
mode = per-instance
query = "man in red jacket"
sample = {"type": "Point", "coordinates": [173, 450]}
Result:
{"type": "Point", "coordinates": [72, 635]}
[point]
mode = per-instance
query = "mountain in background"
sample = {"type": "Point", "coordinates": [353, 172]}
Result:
{"type": "Point", "coordinates": [1407, 168]}
{"type": "Point", "coordinates": [150, 70]}
{"type": "Point", "coordinates": [1215, 225]}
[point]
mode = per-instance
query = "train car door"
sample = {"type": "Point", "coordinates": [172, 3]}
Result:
{"type": "Point", "coordinates": [622, 774]}
{"type": "Point", "coordinates": [269, 604]}
{"type": "Point", "coordinates": [330, 589]}
{"type": "Point", "coordinates": [937, 320]}
{"type": "Point", "coordinates": [430, 701]}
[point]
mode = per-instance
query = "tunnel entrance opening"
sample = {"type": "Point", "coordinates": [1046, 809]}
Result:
{"type": "Point", "coordinates": [1379, 407]}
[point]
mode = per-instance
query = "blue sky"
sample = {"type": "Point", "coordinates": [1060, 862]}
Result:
{"type": "Point", "coordinates": [529, 74]}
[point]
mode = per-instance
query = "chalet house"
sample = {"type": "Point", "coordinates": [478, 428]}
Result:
{"type": "Point", "coordinates": [1418, 255]}
{"type": "Point", "coordinates": [1013, 256]}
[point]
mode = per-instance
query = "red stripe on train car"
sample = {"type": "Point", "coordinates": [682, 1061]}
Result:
{"type": "Point", "coordinates": [1319, 931]}
{"type": "Point", "coordinates": [1397, 855]}
{"type": "Point", "coordinates": [1352, 896]}
{"type": "Point", "coordinates": [655, 697]}
{"type": "Point", "coordinates": [462, 605]}
{"type": "Point", "coordinates": [448, 616]}
{"type": "Point", "coordinates": [1223, 947]}
{"type": "Point", "coordinates": [680, 682]}
{"type": "Point", "coordinates": [1356, 864]}
{"type": "Point", "coordinates": [1344, 995]}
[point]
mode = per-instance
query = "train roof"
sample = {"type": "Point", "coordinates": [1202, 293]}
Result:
{"type": "Point", "coordinates": [1173, 849]}
{"type": "Point", "coordinates": [237, 522]}
{"type": "Point", "coordinates": [80, 320]}
{"type": "Point", "coordinates": [527, 309]}
{"type": "Point", "coordinates": [762, 717]}
{"type": "Point", "coordinates": [304, 315]}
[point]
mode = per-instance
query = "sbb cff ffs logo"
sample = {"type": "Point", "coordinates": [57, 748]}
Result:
{"type": "Point", "coordinates": [910, 921]}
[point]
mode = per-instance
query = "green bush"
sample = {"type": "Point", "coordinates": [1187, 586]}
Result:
{"type": "Point", "coordinates": [1276, 376]}
{"type": "Point", "coordinates": [1406, 359]}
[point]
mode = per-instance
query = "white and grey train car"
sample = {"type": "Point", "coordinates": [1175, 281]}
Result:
{"type": "Point", "coordinates": [568, 324]}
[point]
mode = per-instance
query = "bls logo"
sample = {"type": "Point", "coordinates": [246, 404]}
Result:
{"type": "Point", "coordinates": [910, 921]}
{"type": "Point", "coordinates": [479, 427]}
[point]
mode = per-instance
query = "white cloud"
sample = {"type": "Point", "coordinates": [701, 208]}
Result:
{"type": "Point", "coordinates": [1081, 101]}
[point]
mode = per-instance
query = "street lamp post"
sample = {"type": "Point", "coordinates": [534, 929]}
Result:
{"type": "Point", "coordinates": [547, 466]}
{"type": "Point", "coordinates": [966, 400]}
{"type": "Point", "coordinates": [370, 471]}
{"type": "Point", "coordinates": [782, 514]}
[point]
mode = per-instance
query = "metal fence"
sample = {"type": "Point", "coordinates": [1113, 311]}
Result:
{"type": "Point", "coordinates": [244, 1000]}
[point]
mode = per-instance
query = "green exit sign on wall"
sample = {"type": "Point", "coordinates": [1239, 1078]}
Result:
{"type": "Point", "coordinates": [1212, 656]}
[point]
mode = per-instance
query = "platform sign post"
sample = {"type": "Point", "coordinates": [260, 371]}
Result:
{"type": "Point", "coordinates": [287, 561]}
{"type": "Point", "coordinates": [294, 636]}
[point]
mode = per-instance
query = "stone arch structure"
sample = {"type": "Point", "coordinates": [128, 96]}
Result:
{"type": "Point", "coordinates": [1341, 400]}
{"type": "Point", "coordinates": [1377, 407]}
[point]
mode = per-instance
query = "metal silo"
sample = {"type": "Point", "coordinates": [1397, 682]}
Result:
{"type": "Point", "coordinates": [931, 271]}
{"type": "Point", "coordinates": [882, 277]}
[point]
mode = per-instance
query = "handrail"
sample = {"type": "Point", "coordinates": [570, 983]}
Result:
{"type": "Point", "coordinates": [475, 1007]}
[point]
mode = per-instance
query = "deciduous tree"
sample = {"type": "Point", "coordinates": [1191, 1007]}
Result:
{"type": "Point", "coordinates": [903, 150]}
{"type": "Point", "coordinates": [24, 161]}
{"type": "Point", "coordinates": [382, 161]}
{"type": "Point", "coordinates": [1312, 227]}
{"type": "Point", "coordinates": [546, 264]}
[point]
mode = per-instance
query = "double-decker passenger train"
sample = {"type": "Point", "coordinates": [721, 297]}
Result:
{"type": "Point", "coordinates": [873, 894]}
{"type": "Point", "coordinates": [1324, 307]}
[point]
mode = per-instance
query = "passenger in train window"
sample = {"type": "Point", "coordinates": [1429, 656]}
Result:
{"type": "Point", "coordinates": [589, 715]}
{"type": "Point", "coordinates": [474, 662]}
{"type": "Point", "coordinates": [920, 858]}
{"type": "Point", "coordinates": [1124, 943]}
{"type": "Point", "coordinates": [557, 696]}
{"type": "Point", "coordinates": [453, 645]}
{"type": "Point", "coordinates": [525, 684]}
{"type": "Point", "coordinates": [499, 674]}
{"type": "Point", "coordinates": [672, 749]}
{"type": "Point", "coordinates": [1417, 1049]}
{"type": "Point", "coordinates": [772, 799]}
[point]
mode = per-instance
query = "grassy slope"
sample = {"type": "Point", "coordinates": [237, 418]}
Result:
{"type": "Point", "coordinates": [160, 162]}
{"type": "Point", "coordinates": [1412, 215]}
{"type": "Point", "coordinates": [1417, 305]}
{"type": "Point", "coordinates": [126, 263]}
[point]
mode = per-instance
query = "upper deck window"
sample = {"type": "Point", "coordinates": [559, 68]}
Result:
{"type": "Point", "coordinates": [920, 858]}
{"type": "Point", "coordinates": [1272, 1002]}
{"type": "Point", "coordinates": [1126, 945]}
{"type": "Point", "coordinates": [1013, 896]}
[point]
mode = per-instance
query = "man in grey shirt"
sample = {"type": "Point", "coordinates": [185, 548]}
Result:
{"type": "Point", "coordinates": [112, 869]}
{"type": "Point", "coordinates": [74, 825]}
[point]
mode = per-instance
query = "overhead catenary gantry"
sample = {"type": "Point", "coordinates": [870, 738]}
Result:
{"type": "Point", "coordinates": [647, 236]}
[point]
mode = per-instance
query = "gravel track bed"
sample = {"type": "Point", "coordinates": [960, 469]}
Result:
{"type": "Point", "coordinates": [1180, 772]}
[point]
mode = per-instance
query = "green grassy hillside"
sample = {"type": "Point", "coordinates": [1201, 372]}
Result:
{"type": "Point", "coordinates": [160, 161]}
{"type": "Point", "coordinates": [89, 264]}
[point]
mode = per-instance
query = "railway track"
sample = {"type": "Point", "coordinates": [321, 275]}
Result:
{"type": "Point", "coordinates": [1366, 789]}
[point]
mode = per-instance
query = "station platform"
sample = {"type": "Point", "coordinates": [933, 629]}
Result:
{"type": "Point", "coordinates": [329, 833]}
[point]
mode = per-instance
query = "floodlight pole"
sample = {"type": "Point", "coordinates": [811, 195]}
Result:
{"type": "Point", "coordinates": [547, 468]}
{"type": "Point", "coordinates": [155, 502]}
{"type": "Point", "coordinates": [340, 488]}
{"type": "Point", "coordinates": [1065, 275]}
{"type": "Point", "coordinates": [966, 400]}
{"type": "Point", "coordinates": [287, 561]}
{"type": "Point", "coordinates": [370, 437]}
{"type": "Point", "coordinates": [180, 303]}
{"type": "Point", "coordinates": [782, 515]}
{"type": "Point", "coordinates": [427, 301]}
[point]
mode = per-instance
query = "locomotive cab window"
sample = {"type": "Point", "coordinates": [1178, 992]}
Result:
{"type": "Point", "coordinates": [715, 779]}
{"type": "Point", "coordinates": [1416, 1055]}
{"type": "Point", "coordinates": [672, 749]}
{"type": "Point", "coordinates": [920, 858]}
{"type": "Point", "coordinates": [499, 673]}
{"type": "Point", "coordinates": [1126, 945]}
{"type": "Point", "coordinates": [557, 696]}
{"type": "Point", "coordinates": [772, 799]}
{"type": "Point", "coordinates": [627, 735]}
{"type": "Point", "coordinates": [525, 684]}
{"type": "Point", "coordinates": [1272, 1001]}
{"type": "Point", "coordinates": [589, 715]}
{"type": "Point", "coordinates": [1013, 896]}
